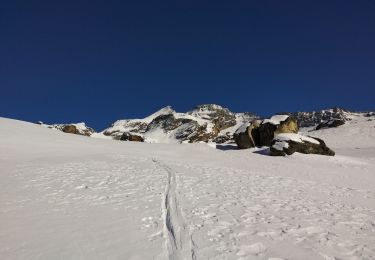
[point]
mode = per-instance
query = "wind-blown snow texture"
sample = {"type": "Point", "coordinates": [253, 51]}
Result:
{"type": "Point", "coordinates": [72, 197]}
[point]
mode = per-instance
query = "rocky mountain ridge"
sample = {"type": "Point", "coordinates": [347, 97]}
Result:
{"type": "Point", "coordinates": [205, 123]}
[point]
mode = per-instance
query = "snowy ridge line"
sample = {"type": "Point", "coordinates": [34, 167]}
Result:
{"type": "Point", "coordinates": [178, 240]}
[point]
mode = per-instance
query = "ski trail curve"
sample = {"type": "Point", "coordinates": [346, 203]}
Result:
{"type": "Point", "coordinates": [178, 240]}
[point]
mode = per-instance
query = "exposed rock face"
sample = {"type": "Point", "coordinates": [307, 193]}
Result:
{"type": "Point", "coordinates": [221, 117]}
{"type": "Point", "coordinates": [138, 127]}
{"type": "Point", "coordinates": [205, 123]}
{"type": "Point", "coordinates": [182, 129]}
{"type": "Point", "coordinates": [78, 128]}
{"type": "Point", "coordinates": [276, 125]}
{"type": "Point", "coordinates": [287, 144]}
{"type": "Point", "coordinates": [308, 119]}
{"type": "Point", "coordinates": [131, 137]}
{"type": "Point", "coordinates": [247, 135]}
{"type": "Point", "coordinates": [330, 123]}
{"type": "Point", "coordinates": [167, 122]}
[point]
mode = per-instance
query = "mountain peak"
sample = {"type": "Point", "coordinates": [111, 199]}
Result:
{"type": "Point", "coordinates": [208, 107]}
{"type": "Point", "coordinates": [163, 111]}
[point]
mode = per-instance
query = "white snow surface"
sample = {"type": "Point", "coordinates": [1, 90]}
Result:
{"type": "Point", "coordinates": [70, 197]}
{"type": "Point", "coordinates": [295, 137]}
{"type": "Point", "coordinates": [280, 145]}
{"type": "Point", "coordinates": [242, 128]}
{"type": "Point", "coordinates": [276, 119]}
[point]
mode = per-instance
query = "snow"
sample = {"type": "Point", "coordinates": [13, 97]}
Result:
{"type": "Point", "coordinates": [280, 145]}
{"type": "Point", "coordinates": [295, 137]}
{"type": "Point", "coordinates": [276, 119]}
{"type": "Point", "coordinates": [164, 111]}
{"type": "Point", "coordinates": [242, 128]}
{"type": "Point", "coordinates": [66, 196]}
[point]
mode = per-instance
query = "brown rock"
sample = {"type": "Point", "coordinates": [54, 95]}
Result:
{"type": "Point", "coordinates": [131, 137]}
{"type": "Point", "coordinates": [71, 129]}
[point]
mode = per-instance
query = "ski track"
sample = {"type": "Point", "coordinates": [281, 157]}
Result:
{"type": "Point", "coordinates": [179, 242]}
{"type": "Point", "coordinates": [237, 214]}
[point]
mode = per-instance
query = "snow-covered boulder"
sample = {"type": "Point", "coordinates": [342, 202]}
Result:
{"type": "Point", "coordinates": [289, 143]}
{"type": "Point", "coordinates": [330, 123]}
{"type": "Point", "coordinates": [247, 135]}
{"type": "Point", "coordinates": [277, 124]}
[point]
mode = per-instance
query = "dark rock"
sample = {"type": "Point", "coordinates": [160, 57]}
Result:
{"type": "Point", "coordinates": [308, 119]}
{"type": "Point", "coordinates": [167, 122]}
{"type": "Point", "coordinates": [284, 146]}
{"type": "Point", "coordinates": [221, 139]}
{"type": "Point", "coordinates": [370, 114]}
{"type": "Point", "coordinates": [131, 137]}
{"type": "Point", "coordinates": [330, 123]}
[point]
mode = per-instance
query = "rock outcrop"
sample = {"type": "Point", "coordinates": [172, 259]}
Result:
{"type": "Point", "coordinates": [330, 124]}
{"type": "Point", "coordinates": [309, 119]}
{"type": "Point", "coordinates": [287, 144]}
{"type": "Point", "coordinates": [77, 128]}
{"type": "Point", "coordinates": [131, 137]}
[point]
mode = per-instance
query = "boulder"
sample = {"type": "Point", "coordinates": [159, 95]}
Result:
{"type": "Point", "coordinates": [289, 143]}
{"type": "Point", "coordinates": [131, 137]}
{"type": "Point", "coordinates": [71, 129]}
{"type": "Point", "coordinates": [276, 125]}
{"type": "Point", "coordinates": [330, 123]}
{"type": "Point", "coordinates": [247, 135]}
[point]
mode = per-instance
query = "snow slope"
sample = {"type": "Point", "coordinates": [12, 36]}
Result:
{"type": "Point", "coordinates": [72, 197]}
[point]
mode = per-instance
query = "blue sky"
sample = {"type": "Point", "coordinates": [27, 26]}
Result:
{"type": "Point", "coordinates": [99, 61]}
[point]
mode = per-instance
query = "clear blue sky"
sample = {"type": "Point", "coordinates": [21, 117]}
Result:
{"type": "Point", "coordinates": [99, 61]}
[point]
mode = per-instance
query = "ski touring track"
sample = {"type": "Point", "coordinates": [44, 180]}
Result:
{"type": "Point", "coordinates": [178, 238]}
